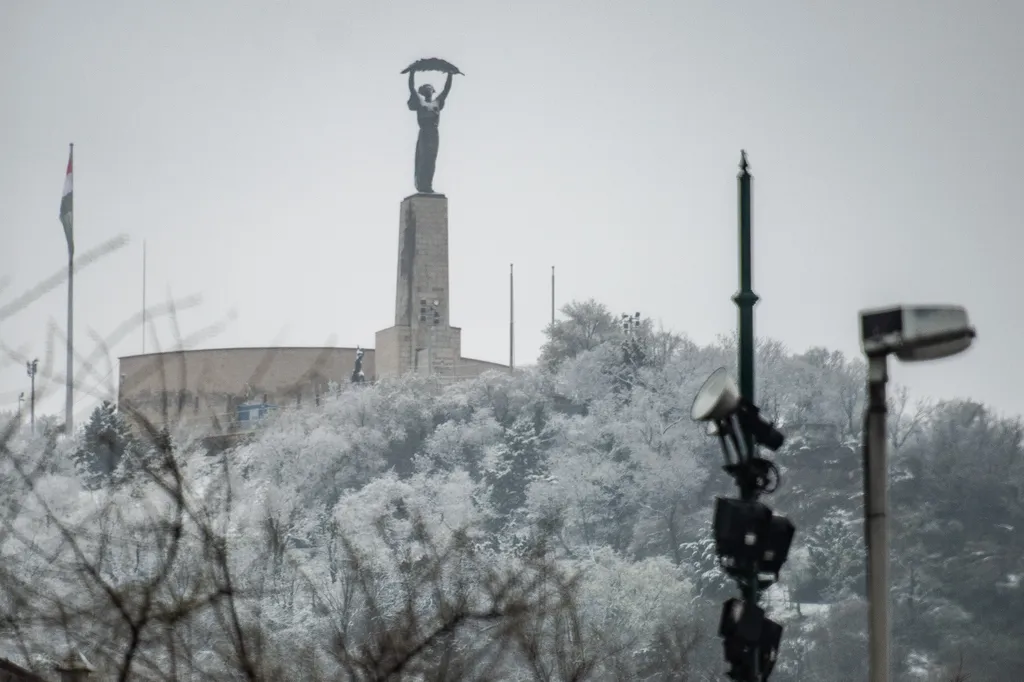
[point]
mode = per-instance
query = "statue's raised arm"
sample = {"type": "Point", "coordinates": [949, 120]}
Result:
{"type": "Point", "coordinates": [414, 99]}
{"type": "Point", "coordinates": [444, 92]}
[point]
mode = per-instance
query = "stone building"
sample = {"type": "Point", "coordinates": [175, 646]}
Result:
{"type": "Point", "coordinates": [223, 387]}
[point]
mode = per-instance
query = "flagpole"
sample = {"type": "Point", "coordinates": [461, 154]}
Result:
{"type": "Point", "coordinates": [511, 320]}
{"type": "Point", "coordinates": [552, 294]}
{"type": "Point", "coordinates": [143, 296]}
{"type": "Point", "coordinates": [69, 391]}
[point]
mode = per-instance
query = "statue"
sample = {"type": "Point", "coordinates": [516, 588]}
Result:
{"type": "Point", "coordinates": [428, 115]}
{"type": "Point", "coordinates": [357, 373]}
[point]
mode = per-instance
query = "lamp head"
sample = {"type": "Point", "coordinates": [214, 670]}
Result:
{"type": "Point", "coordinates": [915, 333]}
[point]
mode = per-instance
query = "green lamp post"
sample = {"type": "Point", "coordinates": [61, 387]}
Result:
{"type": "Point", "coordinates": [745, 299]}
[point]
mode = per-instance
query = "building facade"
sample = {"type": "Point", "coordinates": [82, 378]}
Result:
{"type": "Point", "coordinates": [221, 387]}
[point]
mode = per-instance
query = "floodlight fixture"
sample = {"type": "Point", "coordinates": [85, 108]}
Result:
{"type": "Point", "coordinates": [719, 401]}
{"type": "Point", "coordinates": [630, 323]}
{"type": "Point", "coordinates": [916, 333]}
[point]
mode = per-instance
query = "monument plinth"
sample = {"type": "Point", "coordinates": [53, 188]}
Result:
{"type": "Point", "coordinates": [422, 339]}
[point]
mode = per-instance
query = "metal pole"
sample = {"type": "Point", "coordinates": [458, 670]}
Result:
{"type": "Point", "coordinates": [32, 368]}
{"type": "Point", "coordinates": [876, 511]}
{"type": "Point", "coordinates": [745, 299]}
{"type": "Point", "coordinates": [552, 294]}
{"type": "Point", "coordinates": [143, 296]}
{"type": "Point", "coordinates": [511, 319]}
{"type": "Point", "coordinates": [69, 391]}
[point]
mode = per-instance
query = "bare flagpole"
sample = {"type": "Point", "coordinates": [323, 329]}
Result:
{"type": "Point", "coordinates": [511, 319]}
{"type": "Point", "coordinates": [552, 294]}
{"type": "Point", "coordinates": [143, 296]}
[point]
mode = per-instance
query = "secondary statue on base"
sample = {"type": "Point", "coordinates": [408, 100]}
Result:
{"type": "Point", "coordinates": [428, 115]}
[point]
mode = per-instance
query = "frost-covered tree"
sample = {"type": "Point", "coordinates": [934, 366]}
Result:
{"type": "Point", "coordinates": [513, 464]}
{"type": "Point", "coordinates": [586, 325]}
{"type": "Point", "coordinates": [106, 442]}
{"type": "Point", "coordinates": [550, 524]}
{"type": "Point", "coordinates": [835, 554]}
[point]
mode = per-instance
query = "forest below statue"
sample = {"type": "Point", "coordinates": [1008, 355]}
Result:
{"type": "Point", "coordinates": [550, 524]}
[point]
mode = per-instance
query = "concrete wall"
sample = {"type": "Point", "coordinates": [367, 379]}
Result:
{"type": "Point", "coordinates": [469, 367]}
{"type": "Point", "coordinates": [204, 387]}
{"type": "Point", "coordinates": [199, 385]}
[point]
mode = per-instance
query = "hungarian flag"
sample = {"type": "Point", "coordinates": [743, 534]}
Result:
{"type": "Point", "coordinates": [66, 212]}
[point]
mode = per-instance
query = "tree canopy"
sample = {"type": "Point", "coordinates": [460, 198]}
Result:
{"type": "Point", "coordinates": [551, 524]}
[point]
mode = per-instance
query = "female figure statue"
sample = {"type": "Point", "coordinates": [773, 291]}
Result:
{"type": "Point", "coordinates": [428, 115]}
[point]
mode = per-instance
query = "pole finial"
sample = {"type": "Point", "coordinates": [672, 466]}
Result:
{"type": "Point", "coordinates": [743, 160]}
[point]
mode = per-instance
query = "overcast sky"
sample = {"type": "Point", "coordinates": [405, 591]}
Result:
{"type": "Point", "coordinates": [262, 148]}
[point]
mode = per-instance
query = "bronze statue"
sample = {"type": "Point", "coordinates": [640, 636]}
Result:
{"type": "Point", "coordinates": [428, 115]}
{"type": "Point", "coordinates": [357, 373]}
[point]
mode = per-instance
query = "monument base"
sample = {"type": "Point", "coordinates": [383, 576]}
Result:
{"type": "Point", "coordinates": [392, 353]}
{"type": "Point", "coordinates": [425, 350]}
{"type": "Point", "coordinates": [422, 339]}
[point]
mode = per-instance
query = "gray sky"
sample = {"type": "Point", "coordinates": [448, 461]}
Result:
{"type": "Point", "coordinates": [262, 148]}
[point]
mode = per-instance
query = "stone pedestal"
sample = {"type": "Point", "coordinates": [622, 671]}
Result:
{"type": "Point", "coordinates": [422, 339]}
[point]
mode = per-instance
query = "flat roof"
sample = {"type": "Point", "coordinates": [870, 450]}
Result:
{"type": "Point", "coordinates": [229, 348]}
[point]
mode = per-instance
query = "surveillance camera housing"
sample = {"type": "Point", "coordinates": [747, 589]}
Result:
{"type": "Point", "coordinates": [915, 333]}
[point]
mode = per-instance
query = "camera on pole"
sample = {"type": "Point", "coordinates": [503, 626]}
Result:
{"type": "Point", "coordinates": [751, 541]}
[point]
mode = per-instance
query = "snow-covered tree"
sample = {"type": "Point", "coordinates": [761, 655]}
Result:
{"type": "Point", "coordinates": [553, 523]}
{"type": "Point", "coordinates": [106, 444]}
{"type": "Point", "coordinates": [836, 564]}
{"type": "Point", "coordinates": [586, 325]}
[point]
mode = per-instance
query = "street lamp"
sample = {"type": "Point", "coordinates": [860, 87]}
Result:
{"type": "Point", "coordinates": [32, 368]}
{"type": "Point", "coordinates": [912, 334]}
{"type": "Point", "coordinates": [751, 541]}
